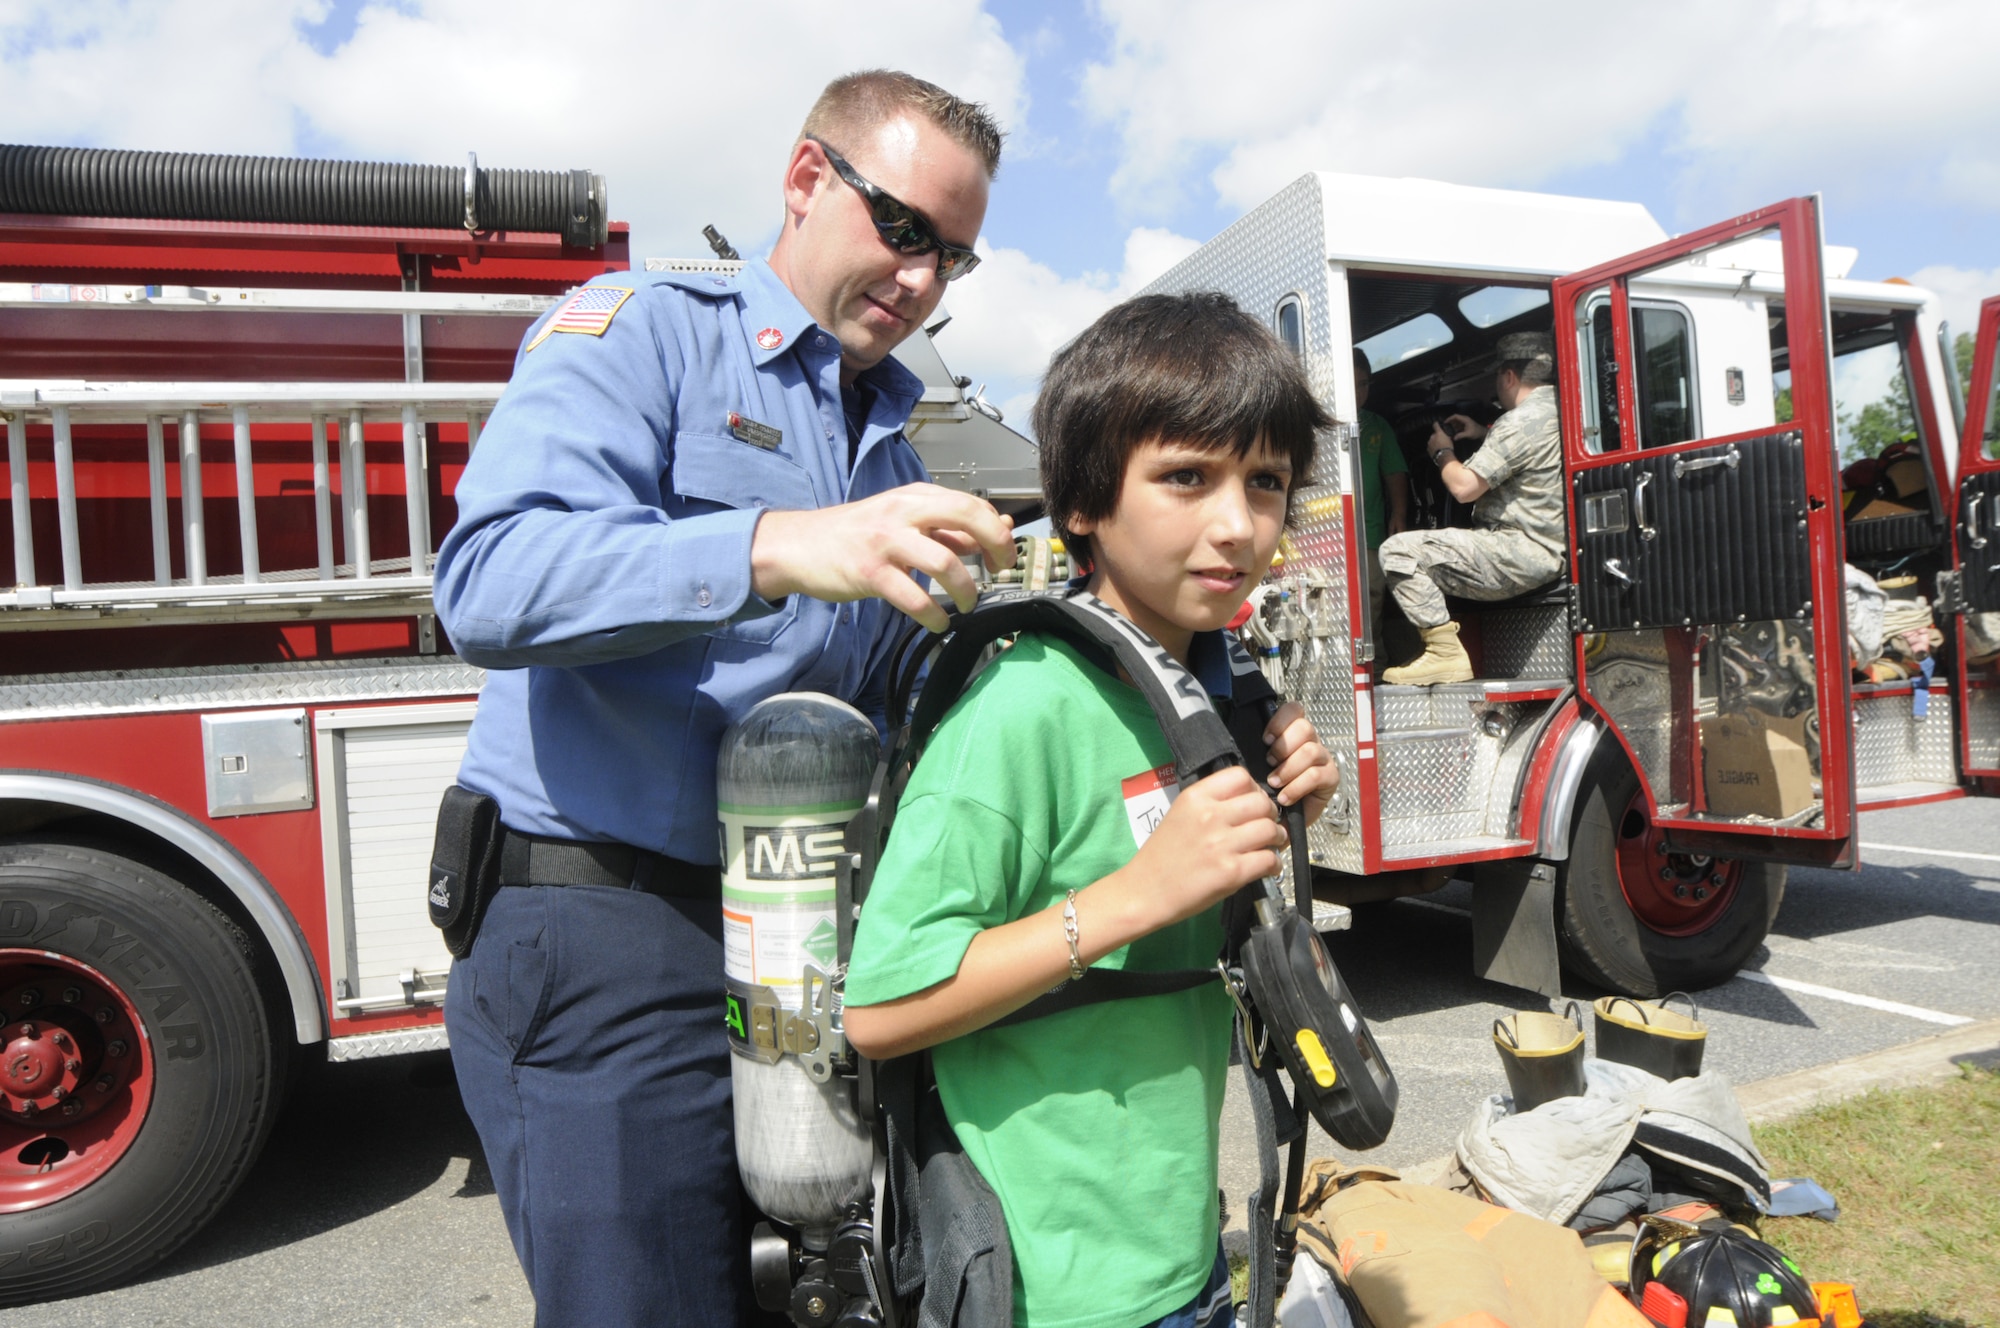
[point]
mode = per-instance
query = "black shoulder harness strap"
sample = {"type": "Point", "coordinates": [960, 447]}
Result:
{"type": "Point", "coordinates": [1201, 740]}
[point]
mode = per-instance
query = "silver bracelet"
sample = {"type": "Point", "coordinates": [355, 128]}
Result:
{"type": "Point", "coordinates": [1071, 934]}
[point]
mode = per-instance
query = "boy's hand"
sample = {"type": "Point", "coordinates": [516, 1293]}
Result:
{"type": "Point", "coordinates": [1220, 834]}
{"type": "Point", "coordinates": [1301, 770]}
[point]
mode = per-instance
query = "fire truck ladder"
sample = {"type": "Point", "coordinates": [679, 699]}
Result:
{"type": "Point", "coordinates": [337, 416]}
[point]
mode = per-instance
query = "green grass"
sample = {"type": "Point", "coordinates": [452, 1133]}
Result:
{"type": "Point", "coordinates": [1917, 1174]}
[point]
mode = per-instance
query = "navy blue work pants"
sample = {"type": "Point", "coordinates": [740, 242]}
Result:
{"type": "Point", "coordinates": [586, 1032]}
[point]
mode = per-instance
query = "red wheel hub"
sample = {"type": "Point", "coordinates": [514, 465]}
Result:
{"type": "Point", "coordinates": [76, 1077]}
{"type": "Point", "coordinates": [1675, 894]}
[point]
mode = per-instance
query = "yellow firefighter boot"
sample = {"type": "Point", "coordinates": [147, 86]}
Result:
{"type": "Point", "coordinates": [1443, 660]}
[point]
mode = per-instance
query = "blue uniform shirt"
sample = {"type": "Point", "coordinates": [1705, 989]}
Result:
{"type": "Point", "coordinates": [601, 561]}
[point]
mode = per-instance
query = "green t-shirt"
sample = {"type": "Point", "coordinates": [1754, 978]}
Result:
{"type": "Point", "coordinates": [1096, 1127]}
{"type": "Point", "coordinates": [1381, 455]}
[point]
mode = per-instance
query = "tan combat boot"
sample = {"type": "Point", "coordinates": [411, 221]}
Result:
{"type": "Point", "coordinates": [1443, 660]}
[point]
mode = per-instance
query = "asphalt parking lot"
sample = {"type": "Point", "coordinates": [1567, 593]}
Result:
{"type": "Point", "coordinates": [372, 1206]}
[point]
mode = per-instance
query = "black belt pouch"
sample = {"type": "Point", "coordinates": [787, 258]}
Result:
{"type": "Point", "coordinates": [465, 865]}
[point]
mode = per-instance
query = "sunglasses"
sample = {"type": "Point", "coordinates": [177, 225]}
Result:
{"type": "Point", "coordinates": [901, 226]}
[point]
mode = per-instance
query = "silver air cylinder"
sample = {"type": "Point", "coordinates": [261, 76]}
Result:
{"type": "Point", "coordinates": [788, 778]}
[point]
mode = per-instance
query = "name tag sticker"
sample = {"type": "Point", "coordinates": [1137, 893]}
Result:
{"type": "Point", "coordinates": [1147, 797]}
{"type": "Point", "coordinates": [746, 430]}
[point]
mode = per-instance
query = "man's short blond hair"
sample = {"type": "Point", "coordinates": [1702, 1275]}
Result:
{"type": "Point", "coordinates": [854, 105]}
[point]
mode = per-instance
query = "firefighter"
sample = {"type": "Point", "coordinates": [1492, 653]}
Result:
{"type": "Point", "coordinates": [696, 493]}
{"type": "Point", "coordinates": [1515, 482]}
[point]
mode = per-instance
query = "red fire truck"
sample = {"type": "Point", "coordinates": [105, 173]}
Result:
{"type": "Point", "coordinates": [237, 396]}
{"type": "Point", "coordinates": [1654, 736]}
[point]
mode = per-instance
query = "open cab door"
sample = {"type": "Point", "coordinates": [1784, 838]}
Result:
{"type": "Point", "coordinates": [1976, 534]}
{"type": "Point", "coordinates": [1706, 550]}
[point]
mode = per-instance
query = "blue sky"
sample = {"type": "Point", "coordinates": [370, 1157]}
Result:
{"type": "Point", "coordinates": [1138, 127]}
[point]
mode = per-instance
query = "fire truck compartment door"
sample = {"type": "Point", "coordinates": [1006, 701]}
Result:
{"type": "Point", "coordinates": [382, 772]}
{"type": "Point", "coordinates": [1976, 522]}
{"type": "Point", "coordinates": [1705, 531]}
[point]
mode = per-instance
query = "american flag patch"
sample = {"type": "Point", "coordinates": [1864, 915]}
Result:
{"type": "Point", "coordinates": [589, 311]}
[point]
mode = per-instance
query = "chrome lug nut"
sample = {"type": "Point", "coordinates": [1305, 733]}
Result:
{"type": "Point", "coordinates": [116, 1047]}
{"type": "Point", "coordinates": [72, 1065]}
{"type": "Point", "coordinates": [30, 999]}
{"type": "Point", "coordinates": [71, 995]}
{"type": "Point", "coordinates": [103, 1016]}
{"type": "Point", "coordinates": [103, 1084]}
{"type": "Point", "coordinates": [72, 1107]}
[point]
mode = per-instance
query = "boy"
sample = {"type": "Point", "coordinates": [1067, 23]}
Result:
{"type": "Point", "coordinates": [1171, 433]}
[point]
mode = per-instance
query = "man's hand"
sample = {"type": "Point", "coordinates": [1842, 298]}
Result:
{"type": "Point", "coordinates": [1463, 428]}
{"type": "Point", "coordinates": [1301, 769]}
{"type": "Point", "coordinates": [872, 547]}
{"type": "Point", "coordinates": [1221, 834]}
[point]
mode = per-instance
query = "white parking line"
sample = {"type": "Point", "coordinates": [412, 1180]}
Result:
{"type": "Point", "coordinates": [1930, 852]}
{"type": "Point", "coordinates": [1855, 998]}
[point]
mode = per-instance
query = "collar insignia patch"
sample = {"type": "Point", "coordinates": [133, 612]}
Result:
{"type": "Point", "coordinates": [770, 338]}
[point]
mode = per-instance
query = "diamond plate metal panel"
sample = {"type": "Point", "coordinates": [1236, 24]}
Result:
{"type": "Point", "coordinates": [1435, 786]}
{"type": "Point", "coordinates": [1447, 706]}
{"type": "Point", "coordinates": [1893, 746]}
{"type": "Point", "coordinates": [1982, 726]}
{"type": "Point", "coordinates": [68, 695]}
{"type": "Point", "coordinates": [1517, 745]}
{"type": "Point", "coordinates": [1276, 249]}
{"type": "Point", "coordinates": [1526, 643]}
{"type": "Point", "coordinates": [400, 1042]}
{"type": "Point", "coordinates": [1320, 671]}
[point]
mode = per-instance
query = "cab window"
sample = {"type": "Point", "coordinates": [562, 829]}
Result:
{"type": "Point", "coordinates": [1663, 342]}
{"type": "Point", "coordinates": [1490, 305]}
{"type": "Point", "coordinates": [1871, 393]}
{"type": "Point", "coordinates": [1406, 340]}
{"type": "Point", "coordinates": [1993, 421]}
{"type": "Point", "coordinates": [1291, 324]}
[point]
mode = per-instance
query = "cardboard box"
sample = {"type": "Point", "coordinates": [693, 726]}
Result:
{"type": "Point", "coordinates": [1754, 766]}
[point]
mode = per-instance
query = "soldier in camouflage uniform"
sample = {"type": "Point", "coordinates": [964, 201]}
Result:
{"type": "Point", "coordinates": [1515, 480]}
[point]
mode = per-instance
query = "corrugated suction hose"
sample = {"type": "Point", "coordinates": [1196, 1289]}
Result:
{"type": "Point", "coordinates": [191, 186]}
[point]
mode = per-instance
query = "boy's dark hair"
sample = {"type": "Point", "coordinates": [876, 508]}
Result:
{"type": "Point", "coordinates": [1191, 368]}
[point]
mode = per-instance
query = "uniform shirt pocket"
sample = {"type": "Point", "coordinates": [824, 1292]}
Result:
{"type": "Point", "coordinates": [712, 471]}
{"type": "Point", "coordinates": [717, 469]}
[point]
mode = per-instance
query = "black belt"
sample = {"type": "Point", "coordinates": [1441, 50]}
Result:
{"type": "Point", "coordinates": [540, 860]}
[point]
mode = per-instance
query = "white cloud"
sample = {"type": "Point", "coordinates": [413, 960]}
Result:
{"type": "Point", "coordinates": [1959, 291]}
{"type": "Point", "coordinates": [686, 107]}
{"type": "Point", "coordinates": [1012, 314]}
{"type": "Point", "coordinates": [1750, 101]}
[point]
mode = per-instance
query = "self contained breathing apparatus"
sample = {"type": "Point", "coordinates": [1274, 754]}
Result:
{"type": "Point", "coordinates": [791, 779]}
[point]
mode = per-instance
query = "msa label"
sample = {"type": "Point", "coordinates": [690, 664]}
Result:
{"type": "Point", "coordinates": [791, 852]}
{"type": "Point", "coordinates": [1147, 797]}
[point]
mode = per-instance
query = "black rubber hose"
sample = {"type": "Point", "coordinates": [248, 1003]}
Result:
{"type": "Point", "coordinates": [190, 186]}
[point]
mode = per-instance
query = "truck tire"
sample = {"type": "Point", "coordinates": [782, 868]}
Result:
{"type": "Point", "coordinates": [1642, 922]}
{"type": "Point", "coordinates": [130, 1022]}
